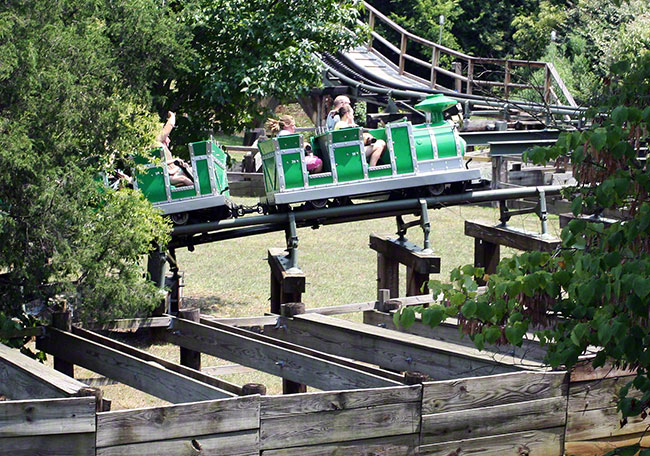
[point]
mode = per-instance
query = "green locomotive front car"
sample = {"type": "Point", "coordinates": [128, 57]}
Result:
{"type": "Point", "coordinates": [427, 156]}
{"type": "Point", "coordinates": [206, 199]}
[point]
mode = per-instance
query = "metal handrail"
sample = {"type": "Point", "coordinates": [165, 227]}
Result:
{"type": "Point", "coordinates": [550, 73]}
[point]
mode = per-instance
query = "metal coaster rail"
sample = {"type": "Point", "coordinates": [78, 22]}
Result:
{"type": "Point", "coordinates": [186, 235]}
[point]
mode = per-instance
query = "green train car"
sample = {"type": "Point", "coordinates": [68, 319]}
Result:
{"type": "Point", "coordinates": [421, 159]}
{"type": "Point", "coordinates": [207, 199]}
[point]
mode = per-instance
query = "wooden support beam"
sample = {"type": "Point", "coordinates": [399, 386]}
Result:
{"type": "Point", "coordinates": [63, 321]}
{"type": "Point", "coordinates": [289, 310]}
{"type": "Point", "coordinates": [306, 351]}
{"type": "Point", "coordinates": [406, 253]}
{"type": "Point", "coordinates": [24, 378]}
{"type": "Point", "coordinates": [190, 358]}
{"type": "Point", "coordinates": [393, 350]}
{"type": "Point", "coordinates": [132, 324]}
{"type": "Point", "coordinates": [149, 377]}
{"type": "Point", "coordinates": [448, 331]}
{"type": "Point", "coordinates": [229, 343]}
{"type": "Point", "coordinates": [286, 285]}
{"type": "Point", "coordinates": [146, 356]}
{"type": "Point", "coordinates": [391, 251]}
{"type": "Point", "coordinates": [387, 274]}
{"type": "Point", "coordinates": [510, 237]}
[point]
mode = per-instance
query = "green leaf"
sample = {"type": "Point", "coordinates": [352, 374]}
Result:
{"type": "Point", "coordinates": [612, 259]}
{"type": "Point", "coordinates": [578, 334]}
{"type": "Point", "coordinates": [576, 206]}
{"type": "Point", "coordinates": [457, 299]}
{"type": "Point", "coordinates": [641, 286]}
{"type": "Point", "coordinates": [433, 316]}
{"type": "Point", "coordinates": [598, 139]}
{"type": "Point", "coordinates": [469, 309]}
{"type": "Point", "coordinates": [619, 115]}
{"type": "Point", "coordinates": [479, 341]}
{"type": "Point", "coordinates": [396, 317]}
{"type": "Point", "coordinates": [562, 277]}
{"type": "Point", "coordinates": [408, 317]}
{"type": "Point", "coordinates": [492, 334]}
{"type": "Point", "coordinates": [515, 335]}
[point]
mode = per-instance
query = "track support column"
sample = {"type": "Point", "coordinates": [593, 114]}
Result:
{"type": "Point", "coordinates": [287, 283]}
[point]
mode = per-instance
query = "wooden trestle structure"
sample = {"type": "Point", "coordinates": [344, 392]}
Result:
{"type": "Point", "coordinates": [419, 391]}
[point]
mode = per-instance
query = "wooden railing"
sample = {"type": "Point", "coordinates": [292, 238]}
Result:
{"type": "Point", "coordinates": [470, 63]}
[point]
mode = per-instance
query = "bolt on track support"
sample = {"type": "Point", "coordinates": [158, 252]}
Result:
{"type": "Point", "coordinates": [423, 221]}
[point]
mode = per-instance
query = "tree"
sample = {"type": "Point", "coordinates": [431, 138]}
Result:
{"type": "Point", "coordinates": [595, 289]}
{"type": "Point", "coordinates": [79, 81]}
{"type": "Point", "coordinates": [70, 103]}
{"type": "Point", "coordinates": [247, 51]}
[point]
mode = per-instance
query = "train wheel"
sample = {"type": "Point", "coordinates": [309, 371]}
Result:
{"type": "Point", "coordinates": [316, 204]}
{"type": "Point", "coordinates": [180, 218]}
{"type": "Point", "coordinates": [458, 187]}
{"type": "Point", "coordinates": [434, 190]}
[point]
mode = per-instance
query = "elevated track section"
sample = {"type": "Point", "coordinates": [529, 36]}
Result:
{"type": "Point", "coordinates": [395, 75]}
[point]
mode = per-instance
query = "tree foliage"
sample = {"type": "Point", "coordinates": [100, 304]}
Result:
{"type": "Point", "coordinates": [247, 51]}
{"type": "Point", "coordinates": [68, 106]}
{"type": "Point", "coordinates": [594, 291]}
{"type": "Point", "coordinates": [82, 85]}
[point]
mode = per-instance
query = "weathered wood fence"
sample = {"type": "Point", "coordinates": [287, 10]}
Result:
{"type": "Point", "coordinates": [526, 411]}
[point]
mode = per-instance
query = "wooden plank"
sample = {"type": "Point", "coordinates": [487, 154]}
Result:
{"type": "Point", "coordinates": [595, 394]}
{"type": "Point", "coordinates": [292, 282]}
{"type": "Point", "coordinates": [177, 421]}
{"type": "Point", "coordinates": [235, 390]}
{"type": "Point", "coordinates": [396, 377]}
{"type": "Point", "coordinates": [47, 416]}
{"type": "Point", "coordinates": [499, 419]}
{"type": "Point", "coordinates": [148, 377]}
{"type": "Point", "coordinates": [24, 378]}
{"type": "Point", "coordinates": [583, 370]}
{"type": "Point", "coordinates": [406, 253]}
{"type": "Point", "coordinates": [269, 358]}
{"type": "Point", "coordinates": [510, 237]}
{"type": "Point", "coordinates": [340, 425]}
{"type": "Point", "coordinates": [544, 442]}
{"type": "Point", "coordinates": [244, 321]}
{"type": "Point", "coordinates": [391, 349]}
{"type": "Point", "coordinates": [49, 445]}
{"type": "Point", "coordinates": [400, 445]}
{"type": "Point", "coordinates": [244, 443]}
{"type": "Point", "coordinates": [342, 309]}
{"type": "Point", "coordinates": [591, 447]}
{"type": "Point", "coordinates": [471, 393]}
{"type": "Point", "coordinates": [132, 324]}
{"type": "Point", "coordinates": [297, 404]}
{"type": "Point", "coordinates": [448, 331]}
{"type": "Point", "coordinates": [601, 423]}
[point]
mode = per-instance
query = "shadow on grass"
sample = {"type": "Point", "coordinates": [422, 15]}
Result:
{"type": "Point", "coordinates": [216, 305]}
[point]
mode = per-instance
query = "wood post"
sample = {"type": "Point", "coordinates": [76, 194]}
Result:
{"type": "Point", "coordinates": [289, 310]}
{"type": "Point", "coordinates": [387, 275]}
{"type": "Point", "coordinates": [391, 252]}
{"type": "Point", "coordinates": [253, 388]}
{"type": "Point", "coordinates": [63, 321]}
{"type": "Point", "coordinates": [414, 378]}
{"type": "Point", "coordinates": [458, 69]}
{"type": "Point", "coordinates": [402, 52]}
{"type": "Point", "coordinates": [417, 283]}
{"type": "Point", "coordinates": [488, 240]}
{"type": "Point", "coordinates": [286, 286]}
{"type": "Point", "coordinates": [190, 358]}
{"type": "Point", "coordinates": [486, 255]}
